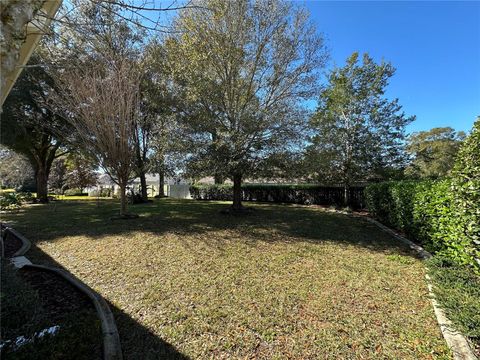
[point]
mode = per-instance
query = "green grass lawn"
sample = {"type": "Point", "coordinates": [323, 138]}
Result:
{"type": "Point", "coordinates": [457, 289]}
{"type": "Point", "coordinates": [284, 282]}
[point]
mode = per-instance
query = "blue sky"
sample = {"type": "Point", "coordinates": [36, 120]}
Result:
{"type": "Point", "coordinates": [435, 46]}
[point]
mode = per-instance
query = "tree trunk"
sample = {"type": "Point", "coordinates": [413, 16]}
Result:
{"type": "Point", "coordinates": [237, 192]}
{"type": "Point", "coordinates": [141, 170]}
{"type": "Point", "coordinates": [346, 194]}
{"type": "Point", "coordinates": [143, 186]}
{"type": "Point", "coordinates": [123, 200]}
{"type": "Point", "coordinates": [41, 178]}
{"type": "Point", "coordinates": [218, 179]}
{"type": "Point", "coordinates": [161, 184]}
{"type": "Point", "coordinates": [42, 163]}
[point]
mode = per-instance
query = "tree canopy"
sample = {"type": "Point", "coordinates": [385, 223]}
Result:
{"type": "Point", "coordinates": [30, 127]}
{"type": "Point", "coordinates": [357, 133]}
{"type": "Point", "coordinates": [243, 70]}
{"type": "Point", "coordinates": [433, 152]}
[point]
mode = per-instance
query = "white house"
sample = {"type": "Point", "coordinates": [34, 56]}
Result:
{"type": "Point", "coordinates": [175, 187]}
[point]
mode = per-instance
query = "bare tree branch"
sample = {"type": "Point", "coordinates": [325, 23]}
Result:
{"type": "Point", "coordinates": [103, 106]}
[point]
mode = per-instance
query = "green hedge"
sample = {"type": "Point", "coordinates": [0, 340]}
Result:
{"type": "Point", "coordinates": [466, 187]}
{"type": "Point", "coordinates": [428, 212]}
{"type": "Point", "coordinates": [75, 192]}
{"type": "Point", "coordinates": [211, 192]}
{"type": "Point", "coordinates": [104, 192]}
{"type": "Point", "coordinates": [296, 194]}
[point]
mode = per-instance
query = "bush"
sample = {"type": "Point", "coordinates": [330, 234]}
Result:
{"type": "Point", "coordinates": [212, 192]}
{"type": "Point", "coordinates": [466, 187]}
{"type": "Point", "coordinates": [392, 203]}
{"type": "Point", "coordinates": [297, 194]}
{"type": "Point", "coordinates": [74, 192]}
{"type": "Point", "coordinates": [434, 216]}
{"type": "Point", "coordinates": [26, 197]}
{"type": "Point", "coordinates": [9, 201]}
{"type": "Point", "coordinates": [427, 212]}
{"type": "Point", "coordinates": [107, 192]}
{"type": "Point", "coordinates": [13, 200]}
{"type": "Point", "coordinates": [134, 198]}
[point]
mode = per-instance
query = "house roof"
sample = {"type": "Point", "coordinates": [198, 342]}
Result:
{"type": "Point", "coordinates": [34, 31]}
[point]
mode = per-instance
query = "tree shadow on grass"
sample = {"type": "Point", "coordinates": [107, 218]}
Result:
{"type": "Point", "coordinates": [267, 223]}
{"type": "Point", "coordinates": [137, 341]}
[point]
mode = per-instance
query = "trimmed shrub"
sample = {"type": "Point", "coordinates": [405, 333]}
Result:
{"type": "Point", "coordinates": [466, 187]}
{"type": "Point", "coordinates": [392, 203]}
{"type": "Point", "coordinates": [107, 192]}
{"type": "Point", "coordinates": [212, 192]}
{"type": "Point", "coordinates": [433, 215]}
{"type": "Point", "coordinates": [75, 192]}
{"type": "Point", "coordinates": [296, 194]}
{"type": "Point", "coordinates": [428, 212]}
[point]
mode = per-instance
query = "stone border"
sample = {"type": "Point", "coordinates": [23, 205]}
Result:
{"type": "Point", "coordinates": [111, 339]}
{"type": "Point", "coordinates": [455, 340]}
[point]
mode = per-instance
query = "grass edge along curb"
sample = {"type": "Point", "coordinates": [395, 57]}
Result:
{"type": "Point", "coordinates": [111, 339]}
{"type": "Point", "coordinates": [456, 341]}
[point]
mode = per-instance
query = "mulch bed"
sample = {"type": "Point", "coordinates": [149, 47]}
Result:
{"type": "Point", "coordinates": [60, 300]}
{"type": "Point", "coordinates": [58, 296]}
{"type": "Point", "coordinates": [11, 245]}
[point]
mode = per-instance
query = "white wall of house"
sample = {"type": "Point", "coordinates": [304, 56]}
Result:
{"type": "Point", "coordinates": [174, 187]}
{"type": "Point", "coordinates": [178, 191]}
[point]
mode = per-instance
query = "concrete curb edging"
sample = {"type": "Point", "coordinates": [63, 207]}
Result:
{"type": "Point", "coordinates": [2, 248]}
{"type": "Point", "coordinates": [455, 340]}
{"type": "Point", "coordinates": [421, 251]}
{"type": "Point", "coordinates": [26, 244]}
{"type": "Point", "coordinates": [111, 339]}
